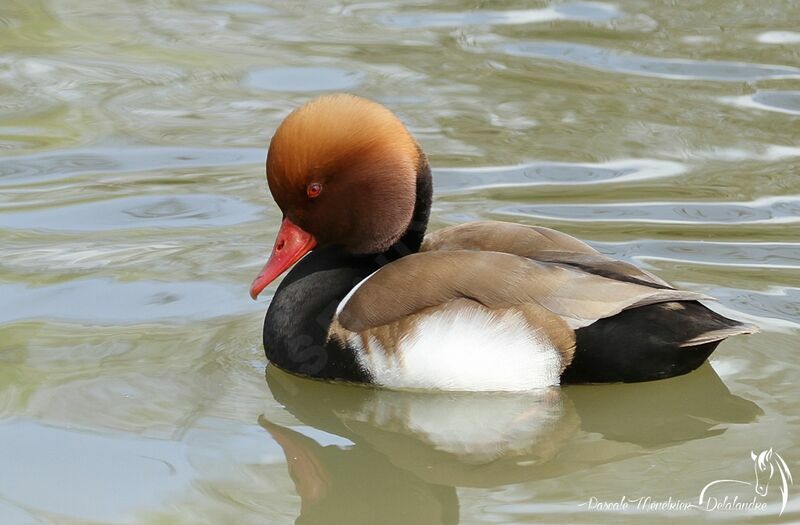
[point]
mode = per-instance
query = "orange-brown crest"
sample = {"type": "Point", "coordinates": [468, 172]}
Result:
{"type": "Point", "coordinates": [363, 159]}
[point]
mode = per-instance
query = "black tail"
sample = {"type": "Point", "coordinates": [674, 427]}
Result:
{"type": "Point", "coordinates": [650, 342]}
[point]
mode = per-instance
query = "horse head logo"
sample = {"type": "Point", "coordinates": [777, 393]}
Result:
{"type": "Point", "coordinates": [765, 464]}
{"type": "Point", "coordinates": [764, 470]}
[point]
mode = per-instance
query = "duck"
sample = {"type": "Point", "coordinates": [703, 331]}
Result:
{"type": "Point", "coordinates": [373, 298]}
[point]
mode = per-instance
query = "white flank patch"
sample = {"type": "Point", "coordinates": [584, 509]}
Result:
{"type": "Point", "coordinates": [470, 349]}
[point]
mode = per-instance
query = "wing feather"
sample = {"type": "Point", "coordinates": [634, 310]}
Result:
{"type": "Point", "coordinates": [496, 280]}
{"type": "Point", "coordinates": [539, 243]}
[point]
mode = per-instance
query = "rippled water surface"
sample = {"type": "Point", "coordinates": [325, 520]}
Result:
{"type": "Point", "coordinates": [134, 213]}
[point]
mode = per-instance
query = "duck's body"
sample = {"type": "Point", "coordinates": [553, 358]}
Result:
{"type": "Point", "coordinates": [480, 306]}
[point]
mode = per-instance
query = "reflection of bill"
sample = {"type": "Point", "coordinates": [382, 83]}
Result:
{"type": "Point", "coordinates": [358, 485]}
{"type": "Point", "coordinates": [408, 451]}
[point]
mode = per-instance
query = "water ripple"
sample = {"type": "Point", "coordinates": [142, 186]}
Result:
{"type": "Point", "coordinates": [787, 102]}
{"type": "Point", "coordinates": [775, 255]}
{"type": "Point", "coordinates": [767, 210]}
{"type": "Point", "coordinates": [630, 63]}
{"type": "Point", "coordinates": [303, 79]}
{"type": "Point", "coordinates": [41, 472]}
{"type": "Point", "coordinates": [779, 37]}
{"type": "Point", "coordinates": [778, 306]}
{"type": "Point", "coordinates": [102, 301]}
{"type": "Point", "coordinates": [555, 173]}
{"type": "Point", "coordinates": [24, 169]}
{"type": "Point", "coordinates": [146, 211]}
{"type": "Point", "coordinates": [584, 11]}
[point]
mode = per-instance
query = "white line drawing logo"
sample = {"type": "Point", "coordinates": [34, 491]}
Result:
{"type": "Point", "coordinates": [765, 464]}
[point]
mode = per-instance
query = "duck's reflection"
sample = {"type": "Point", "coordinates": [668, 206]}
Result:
{"type": "Point", "coordinates": [358, 484]}
{"type": "Point", "coordinates": [411, 450]}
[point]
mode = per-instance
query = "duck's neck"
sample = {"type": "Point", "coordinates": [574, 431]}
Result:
{"type": "Point", "coordinates": [411, 240]}
{"type": "Point", "coordinates": [298, 318]}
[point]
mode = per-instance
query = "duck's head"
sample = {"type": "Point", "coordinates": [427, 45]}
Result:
{"type": "Point", "coordinates": [343, 171]}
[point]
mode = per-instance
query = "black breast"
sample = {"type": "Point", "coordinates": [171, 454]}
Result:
{"type": "Point", "coordinates": [297, 322]}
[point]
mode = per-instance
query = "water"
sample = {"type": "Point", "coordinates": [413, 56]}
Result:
{"type": "Point", "coordinates": [134, 213]}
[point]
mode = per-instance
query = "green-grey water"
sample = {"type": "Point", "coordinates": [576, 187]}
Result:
{"type": "Point", "coordinates": [134, 213]}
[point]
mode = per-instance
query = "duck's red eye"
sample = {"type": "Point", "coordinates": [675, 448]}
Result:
{"type": "Point", "coordinates": [313, 190]}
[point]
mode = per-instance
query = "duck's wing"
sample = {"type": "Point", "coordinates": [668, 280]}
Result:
{"type": "Point", "coordinates": [476, 320]}
{"type": "Point", "coordinates": [538, 243]}
{"type": "Point", "coordinates": [495, 280]}
{"type": "Point", "coordinates": [608, 320]}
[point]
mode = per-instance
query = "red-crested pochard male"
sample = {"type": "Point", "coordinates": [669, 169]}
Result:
{"type": "Point", "coordinates": [479, 306]}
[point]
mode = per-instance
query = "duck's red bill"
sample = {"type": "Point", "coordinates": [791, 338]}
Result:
{"type": "Point", "coordinates": [290, 246]}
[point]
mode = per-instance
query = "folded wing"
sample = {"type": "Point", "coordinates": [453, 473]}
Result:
{"type": "Point", "coordinates": [495, 280]}
{"type": "Point", "coordinates": [539, 243]}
